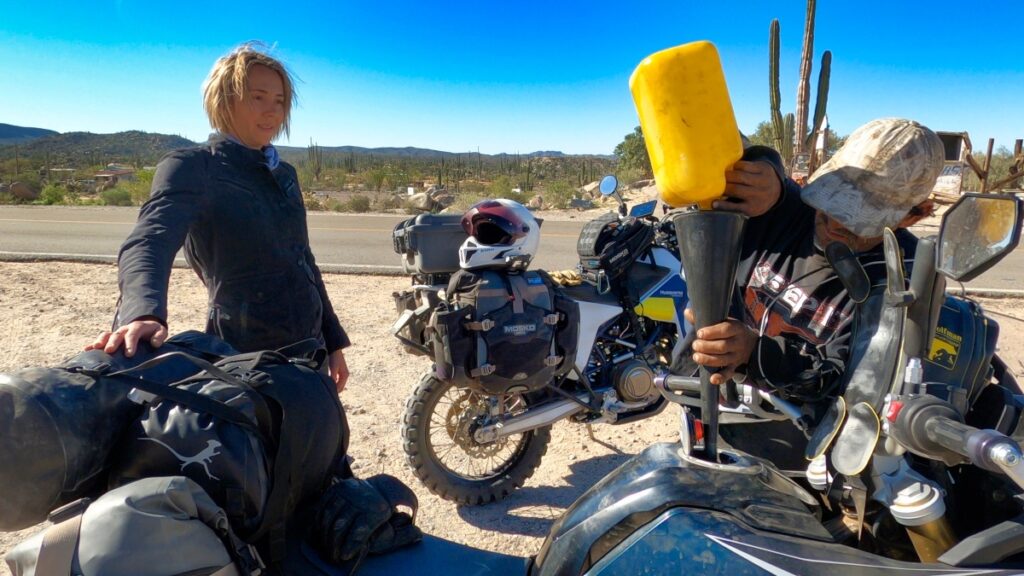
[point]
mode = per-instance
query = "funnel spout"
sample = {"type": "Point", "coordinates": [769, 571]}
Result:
{"type": "Point", "coordinates": [709, 247]}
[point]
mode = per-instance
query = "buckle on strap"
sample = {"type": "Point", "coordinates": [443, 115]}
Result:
{"type": "Point", "coordinates": [553, 360]}
{"type": "Point", "coordinates": [552, 319]}
{"type": "Point", "coordinates": [481, 326]}
{"type": "Point", "coordinates": [484, 370]}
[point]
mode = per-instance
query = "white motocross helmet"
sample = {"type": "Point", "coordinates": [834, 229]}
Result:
{"type": "Point", "coordinates": [502, 234]}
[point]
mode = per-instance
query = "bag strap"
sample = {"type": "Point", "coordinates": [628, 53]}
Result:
{"type": "Point", "coordinates": [189, 399]}
{"type": "Point", "coordinates": [57, 553]}
{"type": "Point", "coordinates": [251, 360]}
{"type": "Point", "coordinates": [208, 367]}
{"type": "Point", "coordinates": [310, 350]}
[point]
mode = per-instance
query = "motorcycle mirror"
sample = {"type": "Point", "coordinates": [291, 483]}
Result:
{"type": "Point", "coordinates": [643, 210]}
{"type": "Point", "coordinates": [848, 268]}
{"type": "Point", "coordinates": [609, 184]}
{"type": "Point", "coordinates": [977, 232]}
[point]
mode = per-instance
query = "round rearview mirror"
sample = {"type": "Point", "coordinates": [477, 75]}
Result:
{"type": "Point", "coordinates": [609, 184]}
{"type": "Point", "coordinates": [976, 233]}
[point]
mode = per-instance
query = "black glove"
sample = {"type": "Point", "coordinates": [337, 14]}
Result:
{"type": "Point", "coordinates": [350, 512]}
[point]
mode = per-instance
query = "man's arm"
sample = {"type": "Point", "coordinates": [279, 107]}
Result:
{"type": "Point", "coordinates": [755, 183]}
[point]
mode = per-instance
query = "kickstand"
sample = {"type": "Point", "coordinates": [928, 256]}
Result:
{"type": "Point", "coordinates": [590, 433]}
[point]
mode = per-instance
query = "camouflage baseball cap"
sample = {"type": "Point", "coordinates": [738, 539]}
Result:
{"type": "Point", "coordinates": [885, 168]}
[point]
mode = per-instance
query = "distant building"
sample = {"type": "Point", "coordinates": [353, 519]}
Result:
{"type": "Point", "coordinates": [60, 174]}
{"type": "Point", "coordinates": [114, 176]}
{"type": "Point", "coordinates": [956, 146]}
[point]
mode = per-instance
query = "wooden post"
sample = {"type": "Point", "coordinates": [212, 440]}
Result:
{"type": "Point", "coordinates": [988, 164]}
{"type": "Point", "coordinates": [1016, 165]}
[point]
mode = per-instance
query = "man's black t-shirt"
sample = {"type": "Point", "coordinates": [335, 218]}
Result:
{"type": "Point", "coordinates": [786, 287]}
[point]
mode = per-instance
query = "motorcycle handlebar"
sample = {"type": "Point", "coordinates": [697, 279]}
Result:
{"type": "Point", "coordinates": [986, 449]}
{"type": "Point", "coordinates": [949, 434]}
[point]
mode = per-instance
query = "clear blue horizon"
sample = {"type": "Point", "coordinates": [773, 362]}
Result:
{"type": "Point", "coordinates": [516, 77]}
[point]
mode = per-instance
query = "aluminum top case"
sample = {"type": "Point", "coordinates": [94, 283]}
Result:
{"type": "Point", "coordinates": [429, 243]}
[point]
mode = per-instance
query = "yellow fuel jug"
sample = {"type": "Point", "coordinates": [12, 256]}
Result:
{"type": "Point", "coordinates": [688, 122]}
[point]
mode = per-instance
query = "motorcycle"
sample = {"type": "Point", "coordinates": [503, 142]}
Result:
{"type": "Point", "coordinates": [906, 474]}
{"type": "Point", "coordinates": [474, 447]}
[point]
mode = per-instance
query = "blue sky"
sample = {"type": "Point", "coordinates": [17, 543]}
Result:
{"type": "Point", "coordinates": [501, 76]}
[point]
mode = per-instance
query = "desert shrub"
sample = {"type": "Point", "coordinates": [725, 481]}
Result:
{"type": "Point", "coordinates": [559, 194]}
{"type": "Point", "coordinates": [473, 186]}
{"type": "Point", "coordinates": [116, 196]}
{"type": "Point", "coordinates": [358, 203]}
{"type": "Point", "coordinates": [463, 200]}
{"type": "Point", "coordinates": [628, 176]}
{"type": "Point", "coordinates": [391, 202]}
{"type": "Point", "coordinates": [313, 202]}
{"type": "Point", "coordinates": [140, 186]}
{"type": "Point", "coordinates": [52, 194]}
{"type": "Point", "coordinates": [334, 205]}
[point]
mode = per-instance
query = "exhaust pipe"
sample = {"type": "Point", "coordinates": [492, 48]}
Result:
{"type": "Point", "coordinates": [533, 418]}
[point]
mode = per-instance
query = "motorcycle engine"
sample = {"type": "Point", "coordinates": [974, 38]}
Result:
{"type": "Point", "coordinates": [634, 381]}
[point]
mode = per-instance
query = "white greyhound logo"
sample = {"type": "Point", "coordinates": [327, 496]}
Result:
{"type": "Point", "coordinates": [204, 458]}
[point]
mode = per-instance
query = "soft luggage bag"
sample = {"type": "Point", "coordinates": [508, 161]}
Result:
{"type": "Point", "coordinates": [152, 527]}
{"type": "Point", "coordinates": [500, 332]}
{"type": "Point", "coordinates": [260, 432]}
{"type": "Point", "coordinates": [58, 425]}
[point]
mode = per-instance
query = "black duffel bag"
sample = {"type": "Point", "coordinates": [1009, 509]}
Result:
{"type": "Point", "coordinates": [260, 432]}
{"type": "Point", "coordinates": [608, 246]}
{"type": "Point", "coordinates": [58, 425]}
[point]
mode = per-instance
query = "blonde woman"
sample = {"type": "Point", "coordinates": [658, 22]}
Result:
{"type": "Point", "coordinates": [237, 210]}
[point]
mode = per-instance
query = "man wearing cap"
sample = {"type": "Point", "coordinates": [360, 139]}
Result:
{"type": "Point", "coordinates": [881, 177]}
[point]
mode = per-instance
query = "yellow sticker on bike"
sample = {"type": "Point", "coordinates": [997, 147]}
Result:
{"type": "Point", "coordinates": [945, 348]}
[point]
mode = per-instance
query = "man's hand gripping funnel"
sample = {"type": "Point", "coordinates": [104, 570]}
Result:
{"type": "Point", "coordinates": [692, 139]}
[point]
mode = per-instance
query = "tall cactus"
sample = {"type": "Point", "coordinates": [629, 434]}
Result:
{"type": "Point", "coordinates": [773, 84]}
{"type": "Point", "coordinates": [787, 140]}
{"type": "Point", "coordinates": [821, 99]}
{"type": "Point", "coordinates": [790, 133]}
{"type": "Point", "coordinates": [316, 159]}
{"type": "Point", "coordinates": [803, 86]}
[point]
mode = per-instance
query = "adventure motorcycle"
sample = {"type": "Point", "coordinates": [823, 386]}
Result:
{"type": "Point", "coordinates": [472, 444]}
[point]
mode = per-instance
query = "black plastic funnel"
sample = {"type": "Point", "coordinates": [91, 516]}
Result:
{"type": "Point", "coordinates": [709, 246]}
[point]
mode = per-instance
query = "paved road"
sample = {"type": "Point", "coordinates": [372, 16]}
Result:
{"type": "Point", "coordinates": [341, 242]}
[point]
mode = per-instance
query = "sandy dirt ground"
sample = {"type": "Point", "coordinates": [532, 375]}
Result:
{"type": "Point", "coordinates": [48, 311]}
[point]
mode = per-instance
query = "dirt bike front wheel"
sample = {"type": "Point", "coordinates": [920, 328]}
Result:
{"type": "Point", "coordinates": [439, 445]}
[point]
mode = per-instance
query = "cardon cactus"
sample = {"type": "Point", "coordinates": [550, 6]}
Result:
{"type": "Point", "coordinates": [803, 86]}
{"type": "Point", "coordinates": [773, 83]}
{"type": "Point", "coordinates": [787, 140]}
{"type": "Point", "coordinates": [790, 133]}
{"type": "Point", "coordinates": [821, 100]}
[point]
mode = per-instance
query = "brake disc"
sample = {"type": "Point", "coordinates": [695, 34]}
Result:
{"type": "Point", "coordinates": [462, 419]}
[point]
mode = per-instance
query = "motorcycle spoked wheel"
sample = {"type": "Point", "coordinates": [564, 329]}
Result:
{"type": "Point", "coordinates": [438, 446]}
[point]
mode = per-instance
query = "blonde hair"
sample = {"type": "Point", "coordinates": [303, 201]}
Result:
{"type": "Point", "coordinates": [229, 79]}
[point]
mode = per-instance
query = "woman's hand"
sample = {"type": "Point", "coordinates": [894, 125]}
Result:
{"type": "Point", "coordinates": [130, 334]}
{"type": "Point", "coordinates": [726, 345]}
{"type": "Point", "coordinates": [751, 188]}
{"type": "Point", "coordinates": [338, 369]}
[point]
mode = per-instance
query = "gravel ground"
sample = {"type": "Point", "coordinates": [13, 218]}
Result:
{"type": "Point", "coordinates": [49, 311]}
